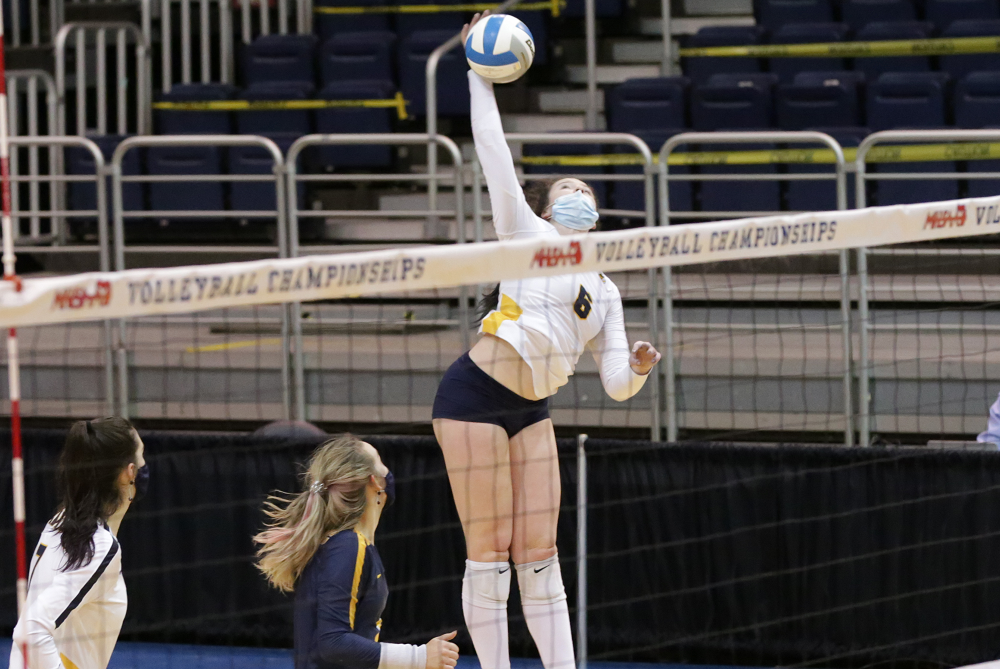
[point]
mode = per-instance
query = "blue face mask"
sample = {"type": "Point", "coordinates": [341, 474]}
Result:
{"type": "Point", "coordinates": [575, 211]}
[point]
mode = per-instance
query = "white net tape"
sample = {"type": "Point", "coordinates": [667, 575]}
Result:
{"type": "Point", "coordinates": [142, 292]}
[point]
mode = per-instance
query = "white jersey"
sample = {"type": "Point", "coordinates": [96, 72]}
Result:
{"type": "Point", "coordinates": [548, 320]}
{"type": "Point", "coordinates": [72, 618]}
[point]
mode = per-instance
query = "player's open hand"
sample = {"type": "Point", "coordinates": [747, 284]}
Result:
{"type": "Point", "coordinates": [643, 357]}
{"type": "Point", "coordinates": [441, 652]}
{"type": "Point", "coordinates": [468, 26]}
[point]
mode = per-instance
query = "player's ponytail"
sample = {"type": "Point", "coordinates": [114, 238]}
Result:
{"type": "Point", "coordinates": [333, 500]}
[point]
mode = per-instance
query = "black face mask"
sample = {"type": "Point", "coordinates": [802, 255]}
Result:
{"type": "Point", "coordinates": [390, 489]}
{"type": "Point", "coordinates": [141, 483]}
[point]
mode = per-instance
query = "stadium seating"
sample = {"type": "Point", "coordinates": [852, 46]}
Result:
{"type": "Point", "coordinates": [257, 195]}
{"type": "Point", "coordinates": [355, 120]}
{"type": "Point", "coordinates": [858, 13]}
{"type": "Point", "coordinates": [194, 195]}
{"type": "Point", "coordinates": [875, 66]}
{"type": "Point", "coordinates": [452, 81]}
{"type": "Point", "coordinates": [943, 13]}
{"type": "Point", "coordinates": [83, 196]}
{"type": "Point", "coordinates": [734, 102]}
{"type": "Point", "coordinates": [700, 70]}
{"type": "Point", "coordinates": [195, 122]}
{"type": "Point", "coordinates": [600, 187]}
{"type": "Point", "coordinates": [822, 195]}
{"type": "Point", "coordinates": [960, 65]}
{"type": "Point", "coordinates": [358, 55]}
{"type": "Point", "coordinates": [630, 195]}
{"type": "Point", "coordinates": [648, 104]}
{"type": "Point", "coordinates": [806, 33]}
{"type": "Point", "coordinates": [602, 8]}
{"type": "Point", "coordinates": [328, 25]}
{"type": "Point", "coordinates": [908, 100]}
{"type": "Point", "coordinates": [977, 100]}
{"type": "Point", "coordinates": [280, 120]}
{"type": "Point", "coordinates": [819, 99]}
{"type": "Point", "coordinates": [775, 13]}
{"type": "Point", "coordinates": [281, 58]}
{"type": "Point", "coordinates": [408, 24]}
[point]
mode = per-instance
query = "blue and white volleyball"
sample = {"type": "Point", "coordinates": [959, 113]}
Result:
{"type": "Point", "coordinates": [500, 48]}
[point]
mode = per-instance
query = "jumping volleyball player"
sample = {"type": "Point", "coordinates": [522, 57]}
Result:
{"type": "Point", "coordinates": [491, 413]}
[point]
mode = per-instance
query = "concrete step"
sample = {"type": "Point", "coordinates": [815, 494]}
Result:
{"type": "Point", "coordinates": [653, 27]}
{"type": "Point", "coordinates": [629, 52]}
{"type": "Point", "coordinates": [543, 123]}
{"type": "Point", "coordinates": [562, 101]}
{"type": "Point", "coordinates": [611, 74]}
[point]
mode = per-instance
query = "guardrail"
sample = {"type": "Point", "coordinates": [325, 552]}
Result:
{"type": "Point", "coordinates": [669, 369]}
{"type": "Point", "coordinates": [141, 122]}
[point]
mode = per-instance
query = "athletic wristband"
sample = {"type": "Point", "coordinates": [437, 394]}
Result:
{"type": "Point", "coordinates": [402, 656]}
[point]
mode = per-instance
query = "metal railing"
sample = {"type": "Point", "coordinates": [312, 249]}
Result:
{"type": "Point", "coordinates": [84, 35]}
{"type": "Point", "coordinates": [302, 18]}
{"type": "Point", "coordinates": [295, 213]}
{"type": "Point", "coordinates": [863, 176]}
{"type": "Point", "coordinates": [280, 247]}
{"type": "Point", "coordinates": [215, 56]}
{"type": "Point", "coordinates": [669, 369]}
{"type": "Point", "coordinates": [26, 84]}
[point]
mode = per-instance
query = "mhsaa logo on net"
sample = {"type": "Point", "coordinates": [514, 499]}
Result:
{"type": "Point", "coordinates": [555, 256]}
{"type": "Point", "coordinates": [79, 298]}
{"type": "Point", "coordinates": [945, 218]}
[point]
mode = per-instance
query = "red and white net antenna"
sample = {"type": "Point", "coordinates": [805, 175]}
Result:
{"type": "Point", "coordinates": [13, 369]}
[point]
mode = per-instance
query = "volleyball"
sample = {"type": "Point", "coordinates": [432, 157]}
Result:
{"type": "Point", "coordinates": [500, 48]}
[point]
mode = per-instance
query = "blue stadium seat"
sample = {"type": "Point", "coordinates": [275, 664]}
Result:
{"type": "Point", "coordinates": [648, 104]}
{"type": "Point", "coordinates": [889, 30]}
{"type": "Point", "coordinates": [328, 25]}
{"type": "Point", "coordinates": [977, 100]}
{"type": "Point", "coordinates": [960, 65]}
{"type": "Point", "coordinates": [602, 8]}
{"type": "Point", "coordinates": [452, 80]}
{"type": "Point", "coordinates": [942, 13]}
{"type": "Point", "coordinates": [281, 58]}
{"type": "Point", "coordinates": [822, 195]}
{"type": "Point", "coordinates": [195, 122]}
{"type": "Point", "coordinates": [600, 187]}
{"type": "Point", "coordinates": [361, 55]}
{"type": "Point", "coordinates": [748, 196]}
{"type": "Point", "coordinates": [194, 195]}
{"type": "Point", "coordinates": [858, 13]}
{"type": "Point", "coordinates": [773, 14]}
{"type": "Point", "coordinates": [279, 120]}
{"type": "Point", "coordinates": [630, 195]}
{"type": "Point", "coordinates": [408, 24]}
{"type": "Point", "coordinates": [257, 195]}
{"type": "Point", "coordinates": [911, 100]}
{"type": "Point", "coordinates": [819, 99]}
{"type": "Point", "coordinates": [806, 33]}
{"type": "Point", "coordinates": [700, 70]}
{"type": "Point", "coordinates": [977, 105]}
{"type": "Point", "coordinates": [355, 120]}
{"type": "Point", "coordinates": [908, 100]}
{"type": "Point", "coordinates": [83, 196]}
{"type": "Point", "coordinates": [734, 102]}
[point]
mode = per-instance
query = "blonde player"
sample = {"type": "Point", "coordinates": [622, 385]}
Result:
{"type": "Point", "coordinates": [76, 593]}
{"type": "Point", "coordinates": [491, 410]}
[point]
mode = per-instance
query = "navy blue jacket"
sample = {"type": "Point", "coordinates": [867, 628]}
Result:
{"type": "Point", "coordinates": [339, 601]}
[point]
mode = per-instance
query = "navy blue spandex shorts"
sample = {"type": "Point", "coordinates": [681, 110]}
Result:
{"type": "Point", "coordinates": [469, 394]}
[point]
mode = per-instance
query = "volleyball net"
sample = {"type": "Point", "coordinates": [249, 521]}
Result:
{"type": "Point", "coordinates": [770, 326]}
{"type": "Point", "coordinates": [867, 326]}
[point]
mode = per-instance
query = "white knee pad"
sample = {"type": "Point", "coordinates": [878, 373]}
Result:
{"type": "Point", "coordinates": [486, 584]}
{"type": "Point", "coordinates": [541, 582]}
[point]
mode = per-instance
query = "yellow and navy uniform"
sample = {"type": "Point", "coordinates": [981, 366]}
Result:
{"type": "Point", "coordinates": [339, 601]}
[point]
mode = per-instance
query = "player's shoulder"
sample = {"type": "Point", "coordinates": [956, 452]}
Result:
{"type": "Point", "coordinates": [105, 542]}
{"type": "Point", "coordinates": [608, 284]}
{"type": "Point", "coordinates": [345, 542]}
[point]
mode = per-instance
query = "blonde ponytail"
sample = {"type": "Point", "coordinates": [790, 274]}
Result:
{"type": "Point", "coordinates": [333, 500]}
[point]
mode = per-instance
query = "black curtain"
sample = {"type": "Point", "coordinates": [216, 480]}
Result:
{"type": "Point", "coordinates": [713, 554]}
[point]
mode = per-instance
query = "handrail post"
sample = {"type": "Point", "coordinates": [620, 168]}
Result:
{"type": "Point", "coordinates": [590, 30]}
{"type": "Point", "coordinates": [581, 551]}
{"type": "Point", "coordinates": [667, 66]}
